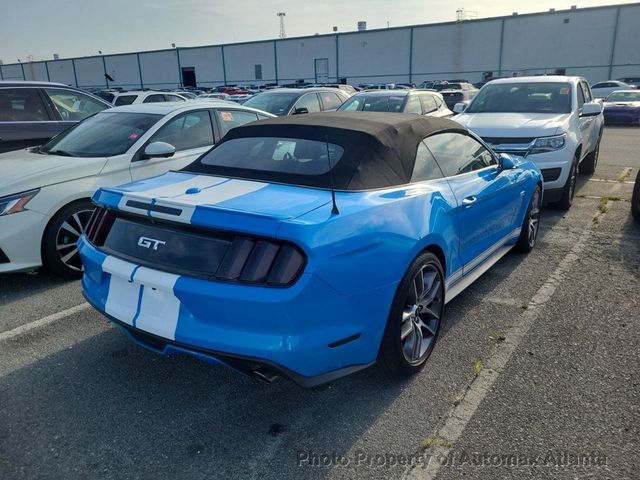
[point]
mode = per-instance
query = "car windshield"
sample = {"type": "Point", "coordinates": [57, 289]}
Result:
{"type": "Point", "coordinates": [272, 154]}
{"type": "Point", "coordinates": [103, 135]}
{"type": "Point", "coordinates": [535, 97]}
{"type": "Point", "coordinates": [624, 97]}
{"type": "Point", "coordinates": [276, 103]}
{"type": "Point", "coordinates": [374, 103]}
{"type": "Point", "coordinates": [450, 86]}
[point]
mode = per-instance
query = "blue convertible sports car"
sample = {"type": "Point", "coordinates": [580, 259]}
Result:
{"type": "Point", "coordinates": [309, 246]}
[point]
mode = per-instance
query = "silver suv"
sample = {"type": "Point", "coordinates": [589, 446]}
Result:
{"type": "Point", "coordinates": [552, 120]}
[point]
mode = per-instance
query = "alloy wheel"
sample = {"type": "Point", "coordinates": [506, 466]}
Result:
{"type": "Point", "coordinates": [67, 237]}
{"type": "Point", "coordinates": [572, 181]}
{"type": "Point", "coordinates": [422, 314]}
{"type": "Point", "coordinates": [534, 218]}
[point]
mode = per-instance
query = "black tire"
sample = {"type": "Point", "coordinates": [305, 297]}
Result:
{"type": "Point", "coordinates": [589, 164]}
{"type": "Point", "coordinates": [415, 318]}
{"type": "Point", "coordinates": [59, 252]}
{"type": "Point", "coordinates": [635, 199]}
{"type": "Point", "coordinates": [531, 224]}
{"type": "Point", "coordinates": [569, 189]}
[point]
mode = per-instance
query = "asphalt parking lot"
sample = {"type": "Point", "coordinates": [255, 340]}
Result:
{"type": "Point", "coordinates": [536, 375]}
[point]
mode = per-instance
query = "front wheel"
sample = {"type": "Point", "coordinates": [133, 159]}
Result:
{"type": "Point", "coordinates": [531, 224]}
{"type": "Point", "coordinates": [59, 244]}
{"type": "Point", "coordinates": [569, 189]}
{"type": "Point", "coordinates": [415, 318]}
{"type": "Point", "coordinates": [589, 164]}
{"type": "Point", "coordinates": [635, 199]}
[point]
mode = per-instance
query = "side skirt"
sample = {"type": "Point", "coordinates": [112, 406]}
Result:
{"type": "Point", "coordinates": [456, 286]}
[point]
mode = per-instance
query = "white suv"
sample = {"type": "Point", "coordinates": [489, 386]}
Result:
{"type": "Point", "coordinates": [552, 120]}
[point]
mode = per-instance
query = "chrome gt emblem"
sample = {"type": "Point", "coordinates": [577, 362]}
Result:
{"type": "Point", "coordinates": [147, 242]}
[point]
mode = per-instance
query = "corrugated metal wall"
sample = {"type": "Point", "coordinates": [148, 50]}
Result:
{"type": "Point", "coordinates": [597, 43]}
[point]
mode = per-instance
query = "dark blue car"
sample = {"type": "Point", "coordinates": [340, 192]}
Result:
{"type": "Point", "coordinates": [622, 107]}
{"type": "Point", "coordinates": [309, 246]}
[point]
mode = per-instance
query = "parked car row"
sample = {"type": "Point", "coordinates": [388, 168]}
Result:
{"type": "Point", "coordinates": [185, 218]}
{"type": "Point", "coordinates": [554, 121]}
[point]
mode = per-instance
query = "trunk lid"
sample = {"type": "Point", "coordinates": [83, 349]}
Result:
{"type": "Point", "coordinates": [215, 202]}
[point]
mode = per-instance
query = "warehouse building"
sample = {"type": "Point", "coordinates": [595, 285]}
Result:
{"type": "Point", "coordinates": [598, 43]}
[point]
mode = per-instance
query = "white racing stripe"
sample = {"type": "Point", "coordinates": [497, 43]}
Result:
{"type": "Point", "coordinates": [178, 188]}
{"type": "Point", "coordinates": [122, 299]}
{"type": "Point", "coordinates": [174, 196]}
{"type": "Point", "coordinates": [42, 322]}
{"type": "Point", "coordinates": [159, 307]}
{"type": "Point", "coordinates": [221, 193]}
{"type": "Point", "coordinates": [142, 297]}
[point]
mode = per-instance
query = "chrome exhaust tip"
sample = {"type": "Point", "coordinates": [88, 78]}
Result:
{"type": "Point", "coordinates": [264, 374]}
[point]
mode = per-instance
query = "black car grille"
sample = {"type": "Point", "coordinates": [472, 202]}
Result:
{"type": "Point", "coordinates": [551, 174]}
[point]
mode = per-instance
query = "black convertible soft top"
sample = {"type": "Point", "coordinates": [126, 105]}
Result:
{"type": "Point", "coordinates": [379, 147]}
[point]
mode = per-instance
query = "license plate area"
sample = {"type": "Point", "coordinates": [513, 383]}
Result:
{"type": "Point", "coordinates": [142, 297]}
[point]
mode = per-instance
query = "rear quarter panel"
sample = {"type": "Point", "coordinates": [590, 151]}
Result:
{"type": "Point", "coordinates": [375, 237]}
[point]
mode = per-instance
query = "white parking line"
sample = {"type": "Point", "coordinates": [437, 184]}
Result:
{"type": "Point", "coordinates": [603, 180]}
{"type": "Point", "coordinates": [49, 319]}
{"type": "Point", "coordinates": [460, 415]}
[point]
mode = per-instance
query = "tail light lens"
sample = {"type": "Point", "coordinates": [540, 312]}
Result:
{"type": "Point", "coordinates": [246, 259]}
{"type": "Point", "coordinates": [261, 262]}
{"type": "Point", "coordinates": [99, 225]}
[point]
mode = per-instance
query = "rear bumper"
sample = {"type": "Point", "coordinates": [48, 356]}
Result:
{"type": "Point", "coordinates": [308, 332]}
{"type": "Point", "coordinates": [240, 363]}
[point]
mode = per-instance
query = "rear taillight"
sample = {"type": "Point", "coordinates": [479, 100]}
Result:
{"type": "Point", "coordinates": [99, 225]}
{"type": "Point", "coordinates": [245, 260]}
{"type": "Point", "coordinates": [260, 261]}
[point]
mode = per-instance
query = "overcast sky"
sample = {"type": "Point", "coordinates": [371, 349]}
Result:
{"type": "Point", "coordinates": [82, 27]}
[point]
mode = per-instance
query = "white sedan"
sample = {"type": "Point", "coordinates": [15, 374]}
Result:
{"type": "Point", "coordinates": [45, 191]}
{"type": "Point", "coordinates": [604, 89]}
{"type": "Point", "coordinates": [147, 96]}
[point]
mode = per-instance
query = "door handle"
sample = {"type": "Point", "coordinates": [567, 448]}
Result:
{"type": "Point", "coordinates": [469, 200]}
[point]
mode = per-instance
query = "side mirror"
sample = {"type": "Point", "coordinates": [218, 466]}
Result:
{"type": "Point", "coordinates": [591, 109]}
{"type": "Point", "coordinates": [158, 150]}
{"type": "Point", "coordinates": [459, 107]}
{"type": "Point", "coordinates": [300, 110]}
{"type": "Point", "coordinates": [505, 162]}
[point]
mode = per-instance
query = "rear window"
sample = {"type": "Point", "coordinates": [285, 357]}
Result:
{"type": "Point", "coordinates": [273, 154]}
{"type": "Point", "coordinates": [125, 100]}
